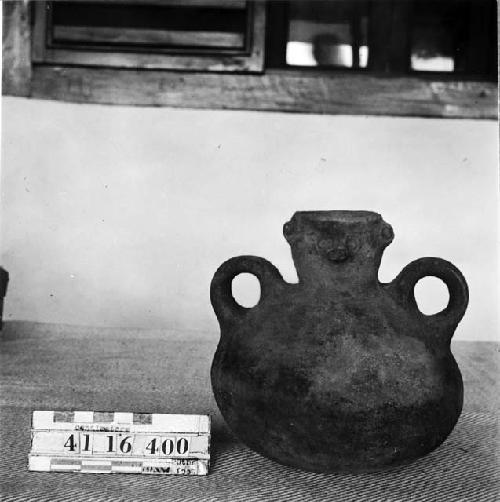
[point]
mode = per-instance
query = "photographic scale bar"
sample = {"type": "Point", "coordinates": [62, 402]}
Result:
{"type": "Point", "coordinates": [117, 442]}
{"type": "Point", "coordinates": [175, 466]}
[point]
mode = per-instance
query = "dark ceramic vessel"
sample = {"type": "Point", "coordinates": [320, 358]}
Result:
{"type": "Point", "coordinates": [338, 372]}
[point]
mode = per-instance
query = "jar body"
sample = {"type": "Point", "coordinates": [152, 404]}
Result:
{"type": "Point", "coordinates": [335, 385]}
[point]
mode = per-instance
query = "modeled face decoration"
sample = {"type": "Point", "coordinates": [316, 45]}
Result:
{"type": "Point", "coordinates": [329, 236]}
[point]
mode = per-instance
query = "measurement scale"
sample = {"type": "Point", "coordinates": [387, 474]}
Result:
{"type": "Point", "coordinates": [115, 442]}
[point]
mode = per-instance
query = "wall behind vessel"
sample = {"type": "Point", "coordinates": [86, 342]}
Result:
{"type": "Point", "coordinates": [120, 216]}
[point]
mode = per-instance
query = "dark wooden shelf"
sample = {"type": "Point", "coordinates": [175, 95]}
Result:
{"type": "Point", "coordinates": [289, 91]}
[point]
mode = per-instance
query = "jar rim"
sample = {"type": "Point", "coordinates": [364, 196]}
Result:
{"type": "Point", "coordinates": [345, 216]}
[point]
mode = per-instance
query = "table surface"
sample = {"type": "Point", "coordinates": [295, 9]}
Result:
{"type": "Point", "coordinates": [56, 367]}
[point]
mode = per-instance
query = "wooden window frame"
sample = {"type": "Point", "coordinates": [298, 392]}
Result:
{"type": "Point", "coordinates": [248, 59]}
{"type": "Point", "coordinates": [280, 89]}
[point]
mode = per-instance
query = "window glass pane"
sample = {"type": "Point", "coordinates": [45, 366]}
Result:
{"type": "Point", "coordinates": [455, 36]}
{"type": "Point", "coordinates": [433, 35]}
{"type": "Point", "coordinates": [327, 33]}
{"type": "Point", "coordinates": [174, 24]}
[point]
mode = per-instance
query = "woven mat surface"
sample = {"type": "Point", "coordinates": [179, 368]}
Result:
{"type": "Point", "coordinates": [63, 367]}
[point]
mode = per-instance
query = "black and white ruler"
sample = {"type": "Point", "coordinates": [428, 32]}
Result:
{"type": "Point", "coordinates": [115, 442]}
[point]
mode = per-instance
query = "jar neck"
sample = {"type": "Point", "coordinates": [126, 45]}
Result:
{"type": "Point", "coordinates": [350, 276]}
{"type": "Point", "coordinates": [338, 250]}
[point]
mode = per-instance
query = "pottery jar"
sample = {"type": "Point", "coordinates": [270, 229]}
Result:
{"type": "Point", "coordinates": [338, 372]}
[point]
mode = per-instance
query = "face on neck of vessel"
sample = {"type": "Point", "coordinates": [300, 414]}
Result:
{"type": "Point", "coordinates": [337, 249]}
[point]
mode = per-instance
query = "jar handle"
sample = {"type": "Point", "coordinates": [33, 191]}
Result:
{"type": "Point", "coordinates": [225, 306]}
{"type": "Point", "coordinates": [448, 319]}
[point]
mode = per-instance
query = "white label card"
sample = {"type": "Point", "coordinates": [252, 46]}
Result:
{"type": "Point", "coordinates": [120, 442]}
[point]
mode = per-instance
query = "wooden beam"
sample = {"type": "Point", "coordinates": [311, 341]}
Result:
{"type": "Point", "coordinates": [217, 4]}
{"type": "Point", "coordinates": [292, 91]}
{"type": "Point", "coordinates": [480, 31]}
{"type": "Point", "coordinates": [400, 36]}
{"type": "Point", "coordinates": [277, 34]}
{"type": "Point", "coordinates": [105, 35]}
{"type": "Point", "coordinates": [16, 49]}
{"type": "Point", "coordinates": [379, 36]}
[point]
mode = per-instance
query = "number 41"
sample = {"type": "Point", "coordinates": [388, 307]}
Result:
{"type": "Point", "coordinates": [85, 443]}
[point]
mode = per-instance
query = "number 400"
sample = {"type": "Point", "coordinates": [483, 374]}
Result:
{"type": "Point", "coordinates": [168, 446]}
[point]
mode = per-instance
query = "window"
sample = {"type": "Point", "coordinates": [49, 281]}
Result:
{"type": "Point", "coordinates": [327, 34]}
{"type": "Point", "coordinates": [458, 37]}
{"type": "Point", "coordinates": [391, 36]}
{"type": "Point", "coordinates": [171, 34]}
